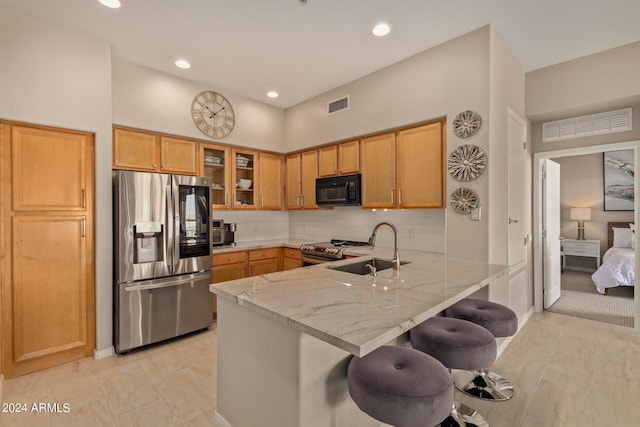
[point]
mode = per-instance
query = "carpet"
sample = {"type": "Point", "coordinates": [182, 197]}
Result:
{"type": "Point", "coordinates": [579, 298]}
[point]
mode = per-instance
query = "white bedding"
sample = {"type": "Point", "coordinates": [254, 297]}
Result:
{"type": "Point", "coordinates": [617, 269]}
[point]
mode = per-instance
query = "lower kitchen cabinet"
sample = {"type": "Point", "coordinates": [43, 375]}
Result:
{"type": "Point", "coordinates": [292, 258]}
{"type": "Point", "coordinates": [263, 261]}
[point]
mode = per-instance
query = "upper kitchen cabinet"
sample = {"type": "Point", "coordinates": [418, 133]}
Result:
{"type": "Point", "coordinates": [302, 171]}
{"type": "Point", "coordinates": [379, 171]}
{"type": "Point", "coordinates": [178, 155]}
{"type": "Point", "coordinates": [338, 159]}
{"type": "Point", "coordinates": [146, 151]}
{"type": "Point", "coordinates": [420, 167]}
{"type": "Point", "coordinates": [215, 161]}
{"type": "Point", "coordinates": [271, 181]}
{"type": "Point", "coordinates": [404, 169]}
{"type": "Point", "coordinates": [245, 170]}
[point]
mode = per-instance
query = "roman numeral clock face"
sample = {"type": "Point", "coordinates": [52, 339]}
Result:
{"type": "Point", "coordinates": [213, 114]}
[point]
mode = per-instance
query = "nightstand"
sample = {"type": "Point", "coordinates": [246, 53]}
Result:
{"type": "Point", "coordinates": [585, 248]}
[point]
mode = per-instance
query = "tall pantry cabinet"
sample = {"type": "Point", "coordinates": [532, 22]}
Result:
{"type": "Point", "coordinates": [47, 244]}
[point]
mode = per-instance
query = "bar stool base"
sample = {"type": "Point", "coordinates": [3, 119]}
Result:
{"type": "Point", "coordinates": [485, 385]}
{"type": "Point", "coordinates": [464, 416]}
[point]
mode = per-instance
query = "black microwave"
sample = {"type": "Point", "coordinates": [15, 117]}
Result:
{"type": "Point", "coordinates": [338, 190]}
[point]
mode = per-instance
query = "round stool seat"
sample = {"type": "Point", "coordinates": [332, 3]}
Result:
{"type": "Point", "coordinates": [401, 386]}
{"type": "Point", "coordinates": [500, 320]}
{"type": "Point", "coordinates": [457, 344]}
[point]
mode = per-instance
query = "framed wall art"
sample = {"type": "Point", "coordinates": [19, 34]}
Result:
{"type": "Point", "coordinates": [618, 170]}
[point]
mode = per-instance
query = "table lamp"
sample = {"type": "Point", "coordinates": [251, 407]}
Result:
{"type": "Point", "coordinates": [581, 215]}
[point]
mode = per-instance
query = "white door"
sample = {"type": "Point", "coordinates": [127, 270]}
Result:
{"type": "Point", "coordinates": [516, 137]}
{"type": "Point", "coordinates": [551, 231]}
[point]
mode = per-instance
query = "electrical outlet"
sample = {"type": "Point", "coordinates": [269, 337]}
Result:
{"type": "Point", "coordinates": [476, 214]}
{"type": "Point", "coordinates": [411, 233]}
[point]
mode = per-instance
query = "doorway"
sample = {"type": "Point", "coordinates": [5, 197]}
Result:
{"type": "Point", "coordinates": [539, 214]}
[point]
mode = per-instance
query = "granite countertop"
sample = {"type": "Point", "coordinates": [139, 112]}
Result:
{"type": "Point", "coordinates": [360, 313]}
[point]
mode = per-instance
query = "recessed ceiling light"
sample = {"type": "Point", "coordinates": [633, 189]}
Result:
{"type": "Point", "coordinates": [381, 29]}
{"type": "Point", "coordinates": [272, 94]}
{"type": "Point", "coordinates": [113, 4]}
{"type": "Point", "coordinates": [183, 63]}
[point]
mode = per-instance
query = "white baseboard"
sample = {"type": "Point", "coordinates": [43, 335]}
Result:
{"type": "Point", "coordinates": [103, 354]}
{"type": "Point", "coordinates": [220, 421]}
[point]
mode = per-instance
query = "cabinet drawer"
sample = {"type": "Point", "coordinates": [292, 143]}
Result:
{"type": "Point", "coordinates": [263, 254]}
{"type": "Point", "coordinates": [580, 248]}
{"type": "Point", "coordinates": [229, 258]}
{"type": "Point", "coordinates": [292, 253]}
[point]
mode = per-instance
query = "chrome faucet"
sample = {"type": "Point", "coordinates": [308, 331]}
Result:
{"type": "Point", "coordinates": [372, 242]}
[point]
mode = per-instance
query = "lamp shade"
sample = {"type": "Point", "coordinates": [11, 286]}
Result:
{"type": "Point", "coordinates": [581, 214]}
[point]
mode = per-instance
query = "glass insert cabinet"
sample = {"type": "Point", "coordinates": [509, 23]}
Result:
{"type": "Point", "coordinates": [232, 173]}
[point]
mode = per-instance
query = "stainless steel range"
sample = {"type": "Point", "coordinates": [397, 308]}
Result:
{"type": "Point", "coordinates": [317, 253]}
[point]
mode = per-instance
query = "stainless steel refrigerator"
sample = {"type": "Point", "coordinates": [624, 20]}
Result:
{"type": "Point", "coordinates": [162, 257]}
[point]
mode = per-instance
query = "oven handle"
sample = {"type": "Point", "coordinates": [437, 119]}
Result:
{"type": "Point", "coordinates": [308, 259]}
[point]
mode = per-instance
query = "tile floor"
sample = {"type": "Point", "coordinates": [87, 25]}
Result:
{"type": "Point", "coordinates": [567, 371]}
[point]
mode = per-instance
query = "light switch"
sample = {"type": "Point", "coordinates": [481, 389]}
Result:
{"type": "Point", "coordinates": [476, 214]}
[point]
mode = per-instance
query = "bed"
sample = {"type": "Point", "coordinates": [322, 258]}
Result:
{"type": "Point", "coordinates": [618, 262]}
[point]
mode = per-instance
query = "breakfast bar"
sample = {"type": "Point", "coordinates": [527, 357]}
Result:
{"type": "Point", "coordinates": [284, 339]}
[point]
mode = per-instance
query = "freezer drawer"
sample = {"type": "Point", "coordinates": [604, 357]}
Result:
{"type": "Point", "coordinates": [154, 310]}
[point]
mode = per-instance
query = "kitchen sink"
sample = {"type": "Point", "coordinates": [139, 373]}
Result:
{"type": "Point", "coordinates": [361, 268]}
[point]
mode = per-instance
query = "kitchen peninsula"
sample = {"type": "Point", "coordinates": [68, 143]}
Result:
{"type": "Point", "coordinates": [285, 339]}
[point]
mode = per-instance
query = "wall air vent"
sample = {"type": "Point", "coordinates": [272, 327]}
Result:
{"type": "Point", "coordinates": [594, 124]}
{"type": "Point", "coordinates": [338, 105]}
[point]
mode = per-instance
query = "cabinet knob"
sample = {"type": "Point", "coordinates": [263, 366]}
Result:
{"type": "Point", "coordinates": [229, 259]}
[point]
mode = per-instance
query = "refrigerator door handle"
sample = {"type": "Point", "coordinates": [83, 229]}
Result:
{"type": "Point", "coordinates": [166, 284]}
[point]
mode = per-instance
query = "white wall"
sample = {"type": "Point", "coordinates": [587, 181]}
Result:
{"type": "Point", "coordinates": [51, 75]}
{"type": "Point", "coordinates": [602, 80]}
{"type": "Point", "coordinates": [148, 99]}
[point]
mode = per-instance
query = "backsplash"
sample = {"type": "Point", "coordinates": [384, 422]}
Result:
{"type": "Point", "coordinates": [418, 229]}
{"type": "Point", "coordinates": [257, 225]}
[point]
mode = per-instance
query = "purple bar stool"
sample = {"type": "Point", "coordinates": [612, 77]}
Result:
{"type": "Point", "coordinates": [401, 386]}
{"type": "Point", "coordinates": [501, 321]}
{"type": "Point", "coordinates": [457, 344]}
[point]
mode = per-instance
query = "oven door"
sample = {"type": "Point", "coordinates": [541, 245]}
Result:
{"type": "Point", "coordinates": [308, 259]}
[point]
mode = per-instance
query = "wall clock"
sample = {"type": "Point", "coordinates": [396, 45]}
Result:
{"type": "Point", "coordinates": [467, 162]}
{"type": "Point", "coordinates": [466, 124]}
{"type": "Point", "coordinates": [463, 200]}
{"type": "Point", "coordinates": [212, 114]}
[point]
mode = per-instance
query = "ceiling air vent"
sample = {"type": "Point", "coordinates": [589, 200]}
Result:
{"type": "Point", "coordinates": [338, 105]}
{"type": "Point", "coordinates": [594, 124]}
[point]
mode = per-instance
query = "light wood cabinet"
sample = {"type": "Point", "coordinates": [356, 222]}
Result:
{"type": "Point", "coordinates": [271, 181]}
{"type": "Point", "coordinates": [264, 261]}
{"type": "Point", "coordinates": [404, 169]}
{"type": "Point", "coordinates": [302, 171]}
{"type": "Point", "coordinates": [292, 258]}
{"type": "Point", "coordinates": [177, 155]}
{"type": "Point", "coordinates": [214, 164]}
{"type": "Point", "coordinates": [339, 159]}
{"type": "Point", "coordinates": [147, 151]}
{"type": "Point", "coordinates": [245, 166]}
{"type": "Point", "coordinates": [379, 171]}
{"type": "Point", "coordinates": [47, 247]}
{"type": "Point", "coordinates": [420, 170]}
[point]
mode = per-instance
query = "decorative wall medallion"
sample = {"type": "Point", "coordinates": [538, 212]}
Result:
{"type": "Point", "coordinates": [467, 162]}
{"type": "Point", "coordinates": [463, 200]}
{"type": "Point", "coordinates": [466, 124]}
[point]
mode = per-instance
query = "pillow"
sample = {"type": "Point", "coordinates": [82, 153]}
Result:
{"type": "Point", "coordinates": [622, 237]}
